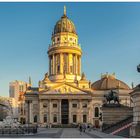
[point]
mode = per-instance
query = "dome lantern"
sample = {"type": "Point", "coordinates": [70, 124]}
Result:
{"type": "Point", "coordinates": [64, 25]}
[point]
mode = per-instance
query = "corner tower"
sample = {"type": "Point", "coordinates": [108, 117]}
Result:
{"type": "Point", "coordinates": [64, 52]}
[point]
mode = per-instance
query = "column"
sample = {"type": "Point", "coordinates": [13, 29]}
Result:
{"type": "Point", "coordinates": [80, 112]}
{"type": "Point", "coordinates": [61, 63]}
{"type": "Point", "coordinates": [53, 64]}
{"type": "Point", "coordinates": [27, 112]}
{"type": "Point", "coordinates": [56, 63]}
{"type": "Point", "coordinates": [40, 112]}
{"type": "Point", "coordinates": [89, 112]}
{"type": "Point", "coordinates": [31, 112]}
{"type": "Point", "coordinates": [79, 65]}
{"type": "Point", "coordinates": [69, 61]}
{"type": "Point", "coordinates": [50, 65]}
{"type": "Point", "coordinates": [73, 64]}
{"type": "Point", "coordinates": [70, 110]}
{"type": "Point", "coordinates": [76, 65]}
{"type": "Point", "coordinates": [50, 111]}
{"type": "Point", "coordinates": [60, 111]}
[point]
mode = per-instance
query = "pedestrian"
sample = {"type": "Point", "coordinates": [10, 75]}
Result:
{"type": "Point", "coordinates": [84, 127]}
{"type": "Point", "coordinates": [88, 127]}
{"type": "Point", "coordinates": [80, 128]}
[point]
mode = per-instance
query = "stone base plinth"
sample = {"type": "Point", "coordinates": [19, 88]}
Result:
{"type": "Point", "coordinates": [135, 130]}
{"type": "Point", "coordinates": [113, 113]}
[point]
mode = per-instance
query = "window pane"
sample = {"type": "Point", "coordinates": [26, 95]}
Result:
{"type": "Point", "coordinates": [35, 118]}
{"type": "Point", "coordinates": [74, 105]}
{"type": "Point", "coordinates": [74, 118]}
{"type": "Point", "coordinates": [84, 118]}
{"type": "Point", "coordinates": [45, 118]}
{"type": "Point", "coordinates": [84, 105]}
{"type": "Point", "coordinates": [54, 105]}
{"type": "Point", "coordinates": [55, 118]}
{"type": "Point", "coordinates": [96, 112]}
{"type": "Point", "coordinates": [44, 105]}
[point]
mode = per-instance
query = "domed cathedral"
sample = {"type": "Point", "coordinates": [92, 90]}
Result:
{"type": "Point", "coordinates": [64, 96]}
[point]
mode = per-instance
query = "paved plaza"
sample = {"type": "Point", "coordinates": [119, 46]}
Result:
{"type": "Point", "coordinates": [63, 133]}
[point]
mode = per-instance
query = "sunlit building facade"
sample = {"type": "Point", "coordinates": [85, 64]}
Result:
{"type": "Point", "coordinates": [16, 92]}
{"type": "Point", "coordinates": [65, 96]}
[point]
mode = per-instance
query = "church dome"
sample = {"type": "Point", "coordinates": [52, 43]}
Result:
{"type": "Point", "coordinates": [64, 25]}
{"type": "Point", "coordinates": [108, 82]}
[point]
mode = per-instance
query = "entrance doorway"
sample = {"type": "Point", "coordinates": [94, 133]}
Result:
{"type": "Point", "coordinates": [97, 123]}
{"type": "Point", "coordinates": [64, 111]}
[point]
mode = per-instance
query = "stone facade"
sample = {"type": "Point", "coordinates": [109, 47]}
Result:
{"type": "Point", "coordinates": [112, 114]}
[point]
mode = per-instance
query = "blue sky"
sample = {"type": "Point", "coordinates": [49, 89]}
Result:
{"type": "Point", "coordinates": [109, 34]}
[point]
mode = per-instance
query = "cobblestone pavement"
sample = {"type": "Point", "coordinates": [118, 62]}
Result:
{"type": "Point", "coordinates": [63, 133]}
{"type": "Point", "coordinates": [73, 133]}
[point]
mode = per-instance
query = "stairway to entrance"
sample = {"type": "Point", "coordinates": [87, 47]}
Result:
{"type": "Point", "coordinates": [120, 128]}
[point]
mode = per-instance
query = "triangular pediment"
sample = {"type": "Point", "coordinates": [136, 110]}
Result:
{"type": "Point", "coordinates": [64, 88]}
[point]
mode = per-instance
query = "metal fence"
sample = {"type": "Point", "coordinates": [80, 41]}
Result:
{"type": "Point", "coordinates": [18, 131]}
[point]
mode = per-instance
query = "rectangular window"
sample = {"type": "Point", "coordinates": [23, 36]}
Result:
{"type": "Point", "coordinates": [74, 118]}
{"type": "Point", "coordinates": [44, 105]}
{"type": "Point", "coordinates": [45, 118]}
{"type": "Point", "coordinates": [74, 105]}
{"type": "Point", "coordinates": [84, 118]}
{"type": "Point", "coordinates": [55, 118]}
{"type": "Point", "coordinates": [85, 105]}
{"type": "Point", "coordinates": [54, 105]}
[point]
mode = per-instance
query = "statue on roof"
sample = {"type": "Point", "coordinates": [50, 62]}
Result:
{"type": "Point", "coordinates": [83, 77]}
{"type": "Point", "coordinates": [46, 75]}
{"type": "Point", "coordinates": [112, 95]}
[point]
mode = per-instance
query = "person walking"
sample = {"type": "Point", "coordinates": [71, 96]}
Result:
{"type": "Point", "coordinates": [80, 129]}
{"type": "Point", "coordinates": [84, 127]}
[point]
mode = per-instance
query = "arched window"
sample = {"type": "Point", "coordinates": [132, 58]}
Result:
{"type": "Point", "coordinates": [35, 118]}
{"type": "Point", "coordinates": [96, 112]}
